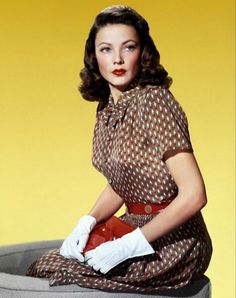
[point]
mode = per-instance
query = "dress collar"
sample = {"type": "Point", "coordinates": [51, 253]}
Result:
{"type": "Point", "coordinates": [113, 113]}
{"type": "Point", "coordinates": [126, 94]}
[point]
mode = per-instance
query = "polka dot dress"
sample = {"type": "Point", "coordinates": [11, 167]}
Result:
{"type": "Point", "coordinates": [132, 139]}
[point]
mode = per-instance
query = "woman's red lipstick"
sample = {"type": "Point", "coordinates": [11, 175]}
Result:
{"type": "Point", "coordinates": [119, 72]}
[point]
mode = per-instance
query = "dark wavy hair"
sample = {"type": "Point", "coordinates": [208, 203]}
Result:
{"type": "Point", "coordinates": [93, 86]}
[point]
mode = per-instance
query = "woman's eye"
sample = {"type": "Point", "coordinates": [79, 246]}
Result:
{"type": "Point", "coordinates": [130, 47]}
{"type": "Point", "coordinates": [105, 50]}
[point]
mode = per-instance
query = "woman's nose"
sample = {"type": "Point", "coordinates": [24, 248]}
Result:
{"type": "Point", "coordinates": [118, 58]}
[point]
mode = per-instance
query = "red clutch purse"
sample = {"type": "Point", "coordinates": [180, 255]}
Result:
{"type": "Point", "coordinates": [109, 230]}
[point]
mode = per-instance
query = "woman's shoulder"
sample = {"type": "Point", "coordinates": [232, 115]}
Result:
{"type": "Point", "coordinates": [155, 93]}
{"type": "Point", "coordinates": [158, 100]}
{"type": "Point", "coordinates": [157, 96]}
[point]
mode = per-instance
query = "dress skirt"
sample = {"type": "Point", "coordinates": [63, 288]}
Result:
{"type": "Point", "coordinates": [180, 257]}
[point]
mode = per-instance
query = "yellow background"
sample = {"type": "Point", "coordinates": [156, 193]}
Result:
{"type": "Point", "coordinates": [46, 177]}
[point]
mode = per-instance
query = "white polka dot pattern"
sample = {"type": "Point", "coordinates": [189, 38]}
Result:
{"type": "Point", "coordinates": [131, 138]}
{"type": "Point", "coordinates": [179, 258]}
{"type": "Point", "coordinates": [130, 141]}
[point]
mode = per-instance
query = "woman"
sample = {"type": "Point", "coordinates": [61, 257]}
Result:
{"type": "Point", "coordinates": [141, 144]}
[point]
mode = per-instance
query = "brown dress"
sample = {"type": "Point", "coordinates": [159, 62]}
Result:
{"type": "Point", "coordinates": [130, 141]}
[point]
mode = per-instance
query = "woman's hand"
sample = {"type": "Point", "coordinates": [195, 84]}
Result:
{"type": "Point", "coordinates": [75, 243]}
{"type": "Point", "coordinates": [106, 205]}
{"type": "Point", "coordinates": [111, 253]}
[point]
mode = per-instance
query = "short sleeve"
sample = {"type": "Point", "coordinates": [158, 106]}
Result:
{"type": "Point", "coordinates": [166, 122]}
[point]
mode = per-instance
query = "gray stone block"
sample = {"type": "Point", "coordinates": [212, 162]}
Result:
{"type": "Point", "coordinates": [15, 259]}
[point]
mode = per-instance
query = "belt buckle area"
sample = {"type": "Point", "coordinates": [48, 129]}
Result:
{"type": "Point", "coordinates": [148, 209]}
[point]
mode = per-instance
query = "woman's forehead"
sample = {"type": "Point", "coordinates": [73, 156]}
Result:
{"type": "Point", "coordinates": [112, 33]}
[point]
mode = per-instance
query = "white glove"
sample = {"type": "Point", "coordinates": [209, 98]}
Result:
{"type": "Point", "coordinates": [111, 253]}
{"type": "Point", "coordinates": [74, 244]}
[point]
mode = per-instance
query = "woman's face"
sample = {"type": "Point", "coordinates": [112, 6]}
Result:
{"type": "Point", "coordinates": [117, 49]}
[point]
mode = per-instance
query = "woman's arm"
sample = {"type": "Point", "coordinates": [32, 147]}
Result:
{"type": "Point", "coordinates": [190, 199]}
{"type": "Point", "coordinates": [106, 205]}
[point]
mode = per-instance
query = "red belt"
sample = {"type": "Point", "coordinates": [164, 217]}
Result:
{"type": "Point", "coordinates": [148, 208]}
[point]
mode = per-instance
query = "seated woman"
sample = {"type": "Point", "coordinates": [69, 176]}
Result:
{"type": "Point", "coordinates": [142, 146]}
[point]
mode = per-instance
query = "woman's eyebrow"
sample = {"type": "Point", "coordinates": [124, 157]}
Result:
{"type": "Point", "coordinates": [130, 40]}
{"type": "Point", "coordinates": [124, 42]}
{"type": "Point", "coordinates": [105, 43]}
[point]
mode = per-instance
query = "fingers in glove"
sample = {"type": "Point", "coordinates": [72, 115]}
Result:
{"type": "Point", "coordinates": [95, 263]}
{"type": "Point", "coordinates": [64, 250]}
{"type": "Point", "coordinates": [89, 254]}
{"type": "Point", "coordinates": [82, 242]}
{"type": "Point", "coordinates": [92, 262]}
{"type": "Point", "coordinates": [104, 270]}
{"type": "Point", "coordinates": [106, 267]}
{"type": "Point", "coordinates": [75, 253]}
{"type": "Point", "coordinates": [100, 251]}
{"type": "Point", "coordinates": [96, 267]}
{"type": "Point", "coordinates": [99, 265]}
{"type": "Point", "coordinates": [70, 251]}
